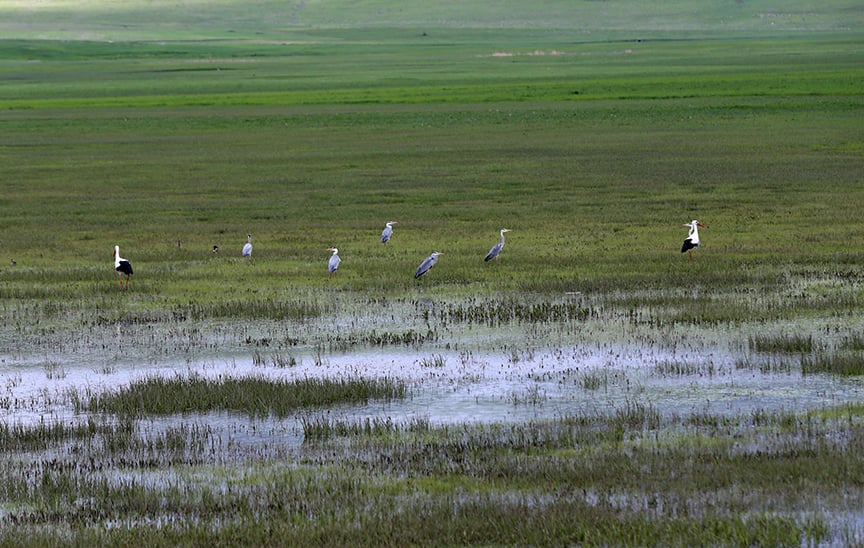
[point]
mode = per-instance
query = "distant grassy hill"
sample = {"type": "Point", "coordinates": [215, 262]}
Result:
{"type": "Point", "coordinates": [278, 19]}
{"type": "Point", "coordinates": [58, 53]}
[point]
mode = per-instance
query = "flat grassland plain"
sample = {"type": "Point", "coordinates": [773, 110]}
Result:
{"type": "Point", "coordinates": [592, 386]}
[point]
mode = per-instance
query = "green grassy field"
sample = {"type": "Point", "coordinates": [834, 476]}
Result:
{"type": "Point", "coordinates": [592, 130]}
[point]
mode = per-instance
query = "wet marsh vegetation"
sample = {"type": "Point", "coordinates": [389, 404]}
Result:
{"type": "Point", "coordinates": [631, 477]}
{"type": "Point", "coordinates": [591, 386]}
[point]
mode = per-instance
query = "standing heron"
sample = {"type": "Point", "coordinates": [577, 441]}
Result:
{"type": "Point", "coordinates": [427, 265]}
{"type": "Point", "coordinates": [692, 240]}
{"type": "Point", "coordinates": [247, 249]}
{"type": "Point", "coordinates": [333, 264]}
{"type": "Point", "coordinates": [496, 249]}
{"type": "Point", "coordinates": [122, 266]}
{"type": "Point", "coordinates": [388, 232]}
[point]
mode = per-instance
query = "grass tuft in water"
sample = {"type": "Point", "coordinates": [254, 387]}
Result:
{"type": "Point", "coordinates": [593, 380]}
{"type": "Point", "coordinates": [318, 428]}
{"type": "Point", "coordinates": [638, 415]}
{"type": "Point", "coordinates": [253, 395]}
{"type": "Point", "coordinates": [838, 363]}
{"type": "Point", "coordinates": [435, 361]}
{"type": "Point", "coordinates": [853, 342]}
{"type": "Point", "coordinates": [785, 343]}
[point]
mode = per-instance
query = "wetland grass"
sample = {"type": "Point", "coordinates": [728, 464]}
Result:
{"type": "Point", "coordinates": [343, 342]}
{"type": "Point", "coordinates": [594, 379]}
{"type": "Point", "coordinates": [591, 479]}
{"type": "Point", "coordinates": [849, 363]}
{"type": "Point", "coordinates": [530, 396]}
{"type": "Point", "coordinates": [677, 368]}
{"type": "Point", "coordinates": [252, 395]}
{"type": "Point", "coordinates": [854, 342]}
{"type": "Point", "coordinates": [794, 343]}
{"type": "Point", "coordinates": [435, 361]}
{"type": "Point", "coordinates": [318, 429]}
{"type": "Point", "coordinates": [773, 365]}
{"type": "Point", "coordinates": [277, 359]}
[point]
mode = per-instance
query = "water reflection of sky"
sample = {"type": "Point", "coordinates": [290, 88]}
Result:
{"type": "Point", "coordinates": [446, 387]}
{"type": "Point", "coordinates": [449, 387]}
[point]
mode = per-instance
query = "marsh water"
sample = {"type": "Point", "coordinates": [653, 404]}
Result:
{"type": "Point", "coordinates": [455, 372]}
{"type": "Point", "coordinates": [512, 372]}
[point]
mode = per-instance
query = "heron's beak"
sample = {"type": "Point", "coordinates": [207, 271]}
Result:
{"type": "Point", "coordinates": [700, 224]}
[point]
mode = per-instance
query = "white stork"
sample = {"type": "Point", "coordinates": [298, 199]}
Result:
{"type": "Point", "coordinates": [333, 264]}
{"type": "Point", "coordinates": [692, 241]}
{"type": "Point", "coordinates": [122, 266]}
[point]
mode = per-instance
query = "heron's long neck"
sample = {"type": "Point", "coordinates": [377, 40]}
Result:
{"type": "Point", "coordinates": [502, 236]}
{"type": "Point", "coordinates": [694, 231]}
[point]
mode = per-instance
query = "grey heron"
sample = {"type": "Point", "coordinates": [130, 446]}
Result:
{"type": "Point", "coordinates": [247, 248]}
{"type": "Point", "coordinates": [122, 266]}
{"type": "Point", "coordinates": [388, 231]}
{"type": "Point", "coordinates": [496, 249]}
{"type": "Point", "coordinates": [692, 240]}
{"type": "Point", "coordinates": [427, 265]}
{"type": "Point", "coordinates": [333, 264]}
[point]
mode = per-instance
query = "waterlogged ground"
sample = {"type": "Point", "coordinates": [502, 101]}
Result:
{"type": "Point", "coordinates": [456, 371]}
{"type": "Point", "coordinates": [455, 374]}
